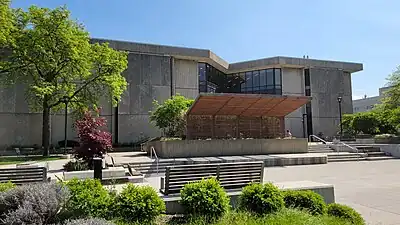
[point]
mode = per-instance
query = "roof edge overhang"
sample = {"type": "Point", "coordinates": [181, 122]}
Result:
{"type": "Point", "coordinates": [207, 56]}
{"type": "Point", "coordinates": [253, 105]}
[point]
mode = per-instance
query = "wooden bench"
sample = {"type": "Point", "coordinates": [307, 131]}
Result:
{"type": "Point", "coordinates": [23, 175]}
{"type": "Point", "coordinates": [231, 175]}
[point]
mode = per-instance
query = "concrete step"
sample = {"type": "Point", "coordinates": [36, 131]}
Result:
{"type": "Point", "coordinates": [376, 154]}
{"type": "Point", "coordinates": [269, 161]}
{"type": "Point", "coordinates": [346, 155]}
{"type": "Point", "coordinates": [380, 158]}
{"type": "Point", "coordinates": [321, 151]}
{"type": "Point", "coordinates": [366, 148]}
{"type": "Point", "coordinates": [345, 159]}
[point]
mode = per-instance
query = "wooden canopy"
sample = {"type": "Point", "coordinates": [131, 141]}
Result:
{"type": "Point", "coordinates": [246, 105]}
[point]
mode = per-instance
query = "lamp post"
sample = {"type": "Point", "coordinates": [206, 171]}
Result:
{"type": "Point", "coordinates": [339, 99]}
{"type": "Point", "coordinates": [65, 100]}
{"type": "Point", "coordinates": [304, 125]}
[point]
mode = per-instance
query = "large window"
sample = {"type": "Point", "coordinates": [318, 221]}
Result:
{"type": "Point", "coordinates": [268, 81]}
{"type": "Point", "coordinates": [210, 79]}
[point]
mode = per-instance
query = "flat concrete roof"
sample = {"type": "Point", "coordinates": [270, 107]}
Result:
{"type": "Point", "coordinates": [207, 56]}
{"type": "Point", "coordinates": [250, 105]}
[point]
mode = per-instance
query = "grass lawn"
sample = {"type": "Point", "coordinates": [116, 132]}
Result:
{"type": "Point", "coordinates": [284, 217]}
{"type": "Point", "coordinates": [6, 160]}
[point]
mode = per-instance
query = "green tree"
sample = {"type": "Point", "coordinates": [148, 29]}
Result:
{"type": "Point", "coordinates": [170, 116]}
{"type": "Point", "coordinates": [53, 56]}
{"type": "Point", "coordinates": [392, 96]}
{"type": "Point", "coordinates": [6, 23]}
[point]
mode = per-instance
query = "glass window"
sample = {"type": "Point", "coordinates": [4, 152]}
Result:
{"type": "Point", "coordinates": [203, 86]}
{"type": "Point", "coordinates": [278, 77]}
{"type": "Point", "coordinates": [270, 77]}
{"type": "Point", "coordinates": [256, 79]}
{"type": "Point", "coordinates": [307, 77]}
{"type": "Point", "coordinates": [249, 80]}
{"type": "Point", "coordinates": [278, 90]}
{"type": "Point", "coordinates": [202, 71]}
{"type": "Point", "coordinates": [263, 78]}
{"type": "Point", "coordinates": [242, 78]}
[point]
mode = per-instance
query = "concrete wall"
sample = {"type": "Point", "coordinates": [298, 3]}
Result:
{"type": "Point", "coordinates": [149, 78]}
{"type": "Point", "coordinates": [391, 149]}
{"type": "Point", "coordinates": [293, 84]}
{"type": "Point", "coordinates": [18, 125]}
{"type": "Point", "coordinates": [186, 78]}
{"type": "Point", "coordinates": [326, 86]}
{"type": "Point", "coordinates": [220, 147]}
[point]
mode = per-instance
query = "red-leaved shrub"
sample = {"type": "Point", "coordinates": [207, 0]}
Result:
{"type": "Point", "coordinates": [93, 141]}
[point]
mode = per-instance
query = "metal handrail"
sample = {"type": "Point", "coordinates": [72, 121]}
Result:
{"type": "Point", "coordinates": [351, 147]}
{"type": "Point", "coordinates": [153, 151]}
{"type": "Point", "coordinates": [318, 138]}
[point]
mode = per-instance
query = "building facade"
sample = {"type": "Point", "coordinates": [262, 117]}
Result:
{"type": "Point", "coordinates": [157, 72]}
{"type": "Point", "coordinates": [368, 103]}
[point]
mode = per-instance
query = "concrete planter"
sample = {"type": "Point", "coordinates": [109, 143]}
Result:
{"type": "Point", "coordinates": [112, 172]}
{"type": "Point", "coordinates": [388, 140]}
{"type": "Point", "coordinates": [218, 147]}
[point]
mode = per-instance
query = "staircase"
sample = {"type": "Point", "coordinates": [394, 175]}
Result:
{"type": "Point", "coordinates": [365, 152]}
{"type": "Point", "coordinates": [319, 147]}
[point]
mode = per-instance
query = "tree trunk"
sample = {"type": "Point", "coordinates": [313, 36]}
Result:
{"type": "Point", "coordinates": [46, 127]}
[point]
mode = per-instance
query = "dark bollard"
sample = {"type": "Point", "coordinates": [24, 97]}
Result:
{"type": "Point", "coordinates": [98, 167]}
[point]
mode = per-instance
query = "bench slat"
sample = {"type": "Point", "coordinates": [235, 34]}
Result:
{"type": "Point", "coordinates": [23, 175]}
{"type": "Point", "coordinates": [230, 175]}
{"type": "Point", "coordinates": [216, 164]}
{"type": "Point", "coordinates": [22, 171]}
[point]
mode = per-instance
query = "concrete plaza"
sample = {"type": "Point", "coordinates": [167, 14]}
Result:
{"type": "Point", "coordinates": [372, 188]}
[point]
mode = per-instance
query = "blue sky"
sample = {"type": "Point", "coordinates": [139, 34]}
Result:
{"type": "Point", "coordinates": [366, 31]}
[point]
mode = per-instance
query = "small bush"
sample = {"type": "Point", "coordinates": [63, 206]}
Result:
{"type": "Point", "coordinates": [305, 200]}
{"type": "Point", "coordinates": [94, 142]}
{"type": "Point", "coordinates": [32, 204]}
{"type": "Point", "coordinates": [76, 165]}
{"type": "Point", "coordinates": [345, 212]}
{"type": "Point", "coordinates": [94, 221]}
{"type": "Point", "coordinates": [6, 186]}
{"type": "Point", "coordinates": [88, 198]}
{"type": "Point", "coordinates": [261, 199]}
{"type": "Point", "coordinates": [138, 203]}
{"type": "Point", "coordinates": [204, 198]}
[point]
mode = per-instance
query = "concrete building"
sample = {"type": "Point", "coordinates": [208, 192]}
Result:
{"type": "Point", "coordinates": [156, 72]}
{"type": "Point", "coordinates": [368, 103]}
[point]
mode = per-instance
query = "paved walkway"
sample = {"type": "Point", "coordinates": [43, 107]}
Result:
{"type": "Point", "coordinates": [373, 188]}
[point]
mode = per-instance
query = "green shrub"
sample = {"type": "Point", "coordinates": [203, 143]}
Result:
{"type": "Point", "coordinates": [39, 203]}
{"type": "Point", "coordinates": [77, 165]}
{"type": "Point", "coordinates": [261, 199]}
{"type": "Point", "coordinates": [305, 200]}
{"type": "Point", "coordinates": [88, 198]}
{"type": "Point", "coordinates": [204, 198]}
{"type": "Point", "coordinates": [345, 212]}
{"type": "Point", "coordinates": [6, 186]}
{"type": "Point", "coordinates": [138, 204]}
